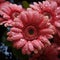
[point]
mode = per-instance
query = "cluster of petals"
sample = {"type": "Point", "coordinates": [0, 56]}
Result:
{"type": "Point", "coordinates": [50, 9]}
{"type": "Point", "coordinates": [3, 4]}
{"type": "Point", "coordinates": [49, 53]}
{"type": "Point", "coordinates": [31, 32]}
{"type": "Point", "coordinates": [8, 12]}
{"type": "Point", "coordinates": [58, 1]}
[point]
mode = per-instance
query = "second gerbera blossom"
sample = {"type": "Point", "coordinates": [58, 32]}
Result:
{"type": "Point", "coordinates": [51, 10]}
{"type": "Point", "coordinates": [30, 32]}
{"type": "Point", "coordinates": [9, 13]}
{"type": "Point", "coordinates": [46, 8]}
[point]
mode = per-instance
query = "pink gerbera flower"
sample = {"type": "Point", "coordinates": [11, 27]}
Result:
{"type": "Point", "coordinates": [51, 10]}
{"type": "Point", "coordinates": [46, 8]}
{"type": "Point", "coordinates": [9, 13]}
{"type": "Point", "coordinates": [30, 32]}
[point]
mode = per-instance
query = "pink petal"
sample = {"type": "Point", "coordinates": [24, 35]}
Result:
{"type": "Point", "coordinates": [34, 7]}
{"type": "Point", "coordinates": [18, 23]}
{"type": "Point", "coordinates": [36, 17]}
{"type": "Point", "coordinates": [16, 37]}
{"type": "Point", "coordinates": [48, 31]}
{"type": "Point", "coordinates": [6, 9]}
{"type": "Point", "coordinates": [25, 49]}
{"type": "Point", "coordinates": [36, 44]}
{"type": "Point", "coordinates": [11, 33]}
{"type": "Point", "coordinates": [17, 30]}
{"type": "Point", "coordinates": [24, 17]}
{"type": "Point", "coordinates": [30, 15]}
{"type": "Point", "coordinates": [5, 16]}
{"type": "Point", "coordinates": [49, 36]}
{"type": "Point", "coordinates": [30, 45]}
{"type": "Point", "coordinates": [44, 21]}
{"type": "Point", "coordinates": [57, 24]}
{"type": "Point", "coordinates": [44, 40]}
{"type": "Point", "coordinates": [16, 7]}
{"type": "Point", "coordinates": [35, 3]}
{"type": "Point", "coordinates": [41, 44]}
{"type": "Point", "coordinates": [19, 44]}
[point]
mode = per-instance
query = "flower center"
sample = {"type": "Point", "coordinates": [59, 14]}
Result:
{"type": "Point", "coordinates": [48, 14]}
{"type": "Point", "coordinates": [15, 14]}
{"type": "Point", "coordinates": [30, 33]}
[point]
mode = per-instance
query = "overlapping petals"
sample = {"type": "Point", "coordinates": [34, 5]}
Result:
{"type": "Point", "coordinates": [51, 10]}
{"type": "Point", "coordinates": [31, 32]}
{"type": "Point", "coordinates": [58, 1]}
{"type": "Point", "coordinates": [49, 53]}
{"type": "Point", "coordinates": [9, 13]}
{"type": "Point", "coordinates": [57, 22]}
{"type": "Point", "coordinates": [3, 19]}
{"type": "Point", "coordinates": [46, 8]}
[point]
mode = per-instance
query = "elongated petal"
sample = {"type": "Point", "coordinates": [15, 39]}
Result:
{"type": "Point", "coordinates": [36, 44]}
{"type": "Point", "coordinates": [25, 48]}
{"type": "Point", "coordinates": [44, 40]}
{"type": "Point", "coordinates": [19, 44]}
{"type": "Point", "coordinates": [16, 30]}
{"type": "Point", "coordinates": [30, 45]}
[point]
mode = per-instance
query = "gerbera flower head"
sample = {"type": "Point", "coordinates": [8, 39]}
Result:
{"type": "Point", "coordinates": [51, 10]}
{"type": "Point", "coordinates": [46, 8]}
{"type": "Point", "coordinates": [10, 12]}
{"type": "Point", "coordinates": [30, 32]}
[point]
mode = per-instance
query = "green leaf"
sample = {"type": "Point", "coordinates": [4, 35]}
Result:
{"type": "Point", "coordinates": [25, 4]}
